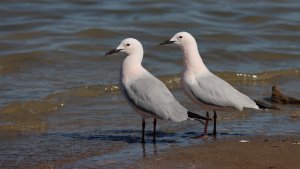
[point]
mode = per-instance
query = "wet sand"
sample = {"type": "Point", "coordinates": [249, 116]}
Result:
{"type": "Point", "coordinates": [263, 152]}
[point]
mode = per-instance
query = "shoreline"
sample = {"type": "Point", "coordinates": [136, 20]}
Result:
{"type": "Point", "coordinates": [266, 152]}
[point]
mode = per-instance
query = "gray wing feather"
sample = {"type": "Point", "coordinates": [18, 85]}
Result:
{"type": "Point", "coordinates": [152, 96]}
{"type": "Point", "coordinates": [214, 91]}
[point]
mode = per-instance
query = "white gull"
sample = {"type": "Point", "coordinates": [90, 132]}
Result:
{"type": "Point", "coordinates": [205, 88]}
{"type": "Point", "coordinates": [146, 94]}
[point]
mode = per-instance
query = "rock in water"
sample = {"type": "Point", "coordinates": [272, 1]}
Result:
{"type": "Point", "coordinates": [295, 114]}
{"type": "Point", "coordinates": [278, 97]}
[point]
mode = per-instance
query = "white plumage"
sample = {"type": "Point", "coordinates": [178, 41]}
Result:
{"type": "Point", "coordinates": [146, 94]}
{"type": "Point", "coordinates": [205, 88]}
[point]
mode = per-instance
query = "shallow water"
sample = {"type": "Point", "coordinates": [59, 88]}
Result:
{"type": "Point", "coordinates": [60, 105]}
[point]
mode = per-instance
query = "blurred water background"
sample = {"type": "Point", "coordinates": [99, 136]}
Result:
{"type": "Point", "coordinates": [60, 104]}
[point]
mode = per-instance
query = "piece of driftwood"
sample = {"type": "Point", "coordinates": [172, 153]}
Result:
{"type": "Point", "coordinates": [278, 97]}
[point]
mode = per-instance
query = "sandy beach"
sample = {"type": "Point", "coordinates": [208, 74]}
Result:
{"type": "Point", "coordinates": [261, 152]}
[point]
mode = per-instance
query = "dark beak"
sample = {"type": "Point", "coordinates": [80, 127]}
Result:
{"type": "Point", "coordinates": [112, 51]}
{"type": "Point", "coordinates": [167, 42]}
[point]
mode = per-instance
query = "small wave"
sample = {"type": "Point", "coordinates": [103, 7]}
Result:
{"type": "Point", "coordinates": [221, 14]}
{"type": "Point", "coordinates": [288, 27]}
{"type": "Point", "coordinates": [27, 35]}
{"type": "Point", "coordinates": [86, 91]}
{"type": "Point", "coordinates": [26, 116]}
{"type": "Point", "coordinates": [24, 26]}
{"type": "Point", "coordinates": [225, 38]}
{"type": "Point", "coordinates": [263, 76]}
{"type": "Point", "coordinates": [95, 33]}
{"type": "Point", "coordinates": [173, 82]}
{"type": "Point", "coordinates": [15, 62]}
{"type": "Point", "coordinates": [254, 19]}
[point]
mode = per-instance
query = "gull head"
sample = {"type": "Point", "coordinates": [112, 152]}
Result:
{"type": "Point", "coordinates": [181, 39]}
{"type": "Point", "coordinates": [128, 46]}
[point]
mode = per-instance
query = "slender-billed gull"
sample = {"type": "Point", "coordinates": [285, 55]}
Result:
{"type": "Point", "coordinates": [146, 94]}
{"type": "Point", "coordinates": [205, 88]}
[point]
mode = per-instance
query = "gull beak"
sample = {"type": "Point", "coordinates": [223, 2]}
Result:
{"type": "Point", "coordinates": [113, 51]}
{"type": "Point", "coordinates": [167, 42]}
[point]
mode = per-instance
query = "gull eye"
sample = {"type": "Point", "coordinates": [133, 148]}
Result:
{"type": "Point", "coordinates": [127, 44]}
{"type": "Point", "coordinates": [180, 37]}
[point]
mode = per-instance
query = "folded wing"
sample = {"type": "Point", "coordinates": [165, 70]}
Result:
{"type": "Point", "coordinates": [212, 90]}
{"type": "Point", "coordinates": [152, 96]}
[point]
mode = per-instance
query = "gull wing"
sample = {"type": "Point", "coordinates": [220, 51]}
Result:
{"type": "Point", "coordinates": [151, 95]}
{"type": "Point", "coordinates": [212, 90]}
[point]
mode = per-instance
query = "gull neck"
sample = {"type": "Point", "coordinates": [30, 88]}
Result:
{"type": "Point", "coordinates": [132, 66]}
{"type": "Point", "coordinates": [192, 59]}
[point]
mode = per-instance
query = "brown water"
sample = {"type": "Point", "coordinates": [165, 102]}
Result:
{"type": "Point", "coordinates": [60, 105]}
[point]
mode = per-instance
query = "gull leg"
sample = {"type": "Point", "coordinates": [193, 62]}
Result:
{"type": "Point", "coordinates": [206, 124]}
{"type": "Point", "coordinates": [215, 123]}
{"type": "Point", "coordinates": [143, 130]}
{"type": "Point", "coordinates": [204, 136]}
{"type": "Point", "coordinates": [154, 130]}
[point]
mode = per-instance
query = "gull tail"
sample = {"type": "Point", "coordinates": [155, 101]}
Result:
{"type": "Point", "coordinates": [263, 105]}
{"type": "Point", "coordinates": [197, 116]}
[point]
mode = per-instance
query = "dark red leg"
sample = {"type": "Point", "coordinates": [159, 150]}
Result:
{"type": "Point", "coordinates": [143, 130]}
{"type": "Point", "coordinates": [206, 124]}
{"type": "Point", "coordinates": [154, 130]}
{"type": "Point", "coordinates": [215, 123]}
